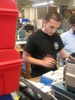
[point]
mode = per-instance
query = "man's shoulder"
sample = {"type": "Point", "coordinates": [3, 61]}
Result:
{"type": "Point", "coordinates": [38, 31]}
{"type": "Point", "coordinates": [66, 33]}
{"type": "Point", "coordinates": [35, 34]}
{"type": "Point", "coordinates": [63, 34]}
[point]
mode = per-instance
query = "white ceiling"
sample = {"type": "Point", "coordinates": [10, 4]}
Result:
{"type": "Point", "coordinates": [30, 2]}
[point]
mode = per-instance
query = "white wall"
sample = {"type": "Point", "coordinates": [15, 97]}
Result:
{"type": "Point", "coordinates": [68, 2]}
{"type": "Point", "coordinates": [29, 13]}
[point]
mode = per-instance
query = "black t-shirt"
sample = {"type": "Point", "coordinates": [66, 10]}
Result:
{"type": "Point", "coordinates": [40, 44]}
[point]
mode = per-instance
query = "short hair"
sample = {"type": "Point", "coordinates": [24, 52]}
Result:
{"type": "Point", "coordinates": [72, 19]}
{"type": "Point", "coordinates": [52, 15]}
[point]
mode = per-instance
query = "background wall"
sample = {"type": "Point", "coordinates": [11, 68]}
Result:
{"type": "Point", "coordinates": [39, 12]}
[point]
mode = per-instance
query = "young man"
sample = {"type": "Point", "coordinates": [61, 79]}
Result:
{"type": "Point", "coordinates": [68, 37]}
{"type": "Point", "coordinates": [43, 45]}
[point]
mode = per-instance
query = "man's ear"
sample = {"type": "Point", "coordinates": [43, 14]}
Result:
{"type": "Point", "coordinates": [43, 23]}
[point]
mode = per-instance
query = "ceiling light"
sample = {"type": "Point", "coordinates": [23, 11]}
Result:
{"type": "Point", "coordinates": [39, 4]}
{"type": "Point", "coordinates": [51, 1]}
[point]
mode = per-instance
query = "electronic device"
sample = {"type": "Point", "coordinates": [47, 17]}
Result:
{"type": "Point", "coordinates": [69, 73]}
{"type": "Point", "coordinates": [32, 92]}
{"type": "Point", "coordinates": [22, 96]}
{"type": "Point", "coordinates": [29, 92]}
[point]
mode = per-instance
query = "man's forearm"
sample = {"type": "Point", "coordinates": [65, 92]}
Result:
{"type": "Point", "coordinates": [32, 60]}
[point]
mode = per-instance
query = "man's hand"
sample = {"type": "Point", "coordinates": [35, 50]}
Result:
{"type": "Point", "coordinates": [49, 61]}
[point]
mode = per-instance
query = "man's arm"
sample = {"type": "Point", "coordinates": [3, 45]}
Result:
{"type": "Point", "coordinates": [64, 54]}
{"type": "Point", "coordinates": [46, 61]}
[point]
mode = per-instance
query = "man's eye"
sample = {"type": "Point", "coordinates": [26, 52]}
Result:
{"type": "Point", "coordinates": [51, 27]}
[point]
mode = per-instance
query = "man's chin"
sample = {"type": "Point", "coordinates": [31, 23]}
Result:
{"type": "Point", "coordinates": [50, 34]}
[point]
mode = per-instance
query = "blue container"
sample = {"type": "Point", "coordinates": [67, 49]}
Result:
{"type": "Point", "coordinates": [45, 80]}
{"type": "Point", "coordinates": [6, 97]}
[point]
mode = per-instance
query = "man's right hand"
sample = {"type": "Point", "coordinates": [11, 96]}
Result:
{"type": "Point", "coordinates": [49, 61]}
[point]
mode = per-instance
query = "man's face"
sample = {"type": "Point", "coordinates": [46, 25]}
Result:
{"type": "Point", "coordinates": [51, 26]}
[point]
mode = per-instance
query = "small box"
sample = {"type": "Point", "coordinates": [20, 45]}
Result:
{"type": "Point", "coordinates": [61, 93]}
{"type": "Point", "coordinates": [45, 80]}
{"type": "Point", "coordinates": [10, 69]}
{"type": "Point", "coordinates": [52, 76]}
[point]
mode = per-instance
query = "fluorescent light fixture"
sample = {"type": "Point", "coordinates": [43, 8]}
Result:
{"type": "Point", "coordinates": [43, 3]}
{"type": "Point", "coordinates": [51, 1]}
{"type": "Point", "coordinates": [40, 4]}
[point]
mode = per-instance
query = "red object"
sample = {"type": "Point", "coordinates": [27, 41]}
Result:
{"type": "Point", "coordinates": [10, 62]}
{"type": "Point", "coordinates": [8, 20]}
{"type": "Point", "coordinates": [10, 68]}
